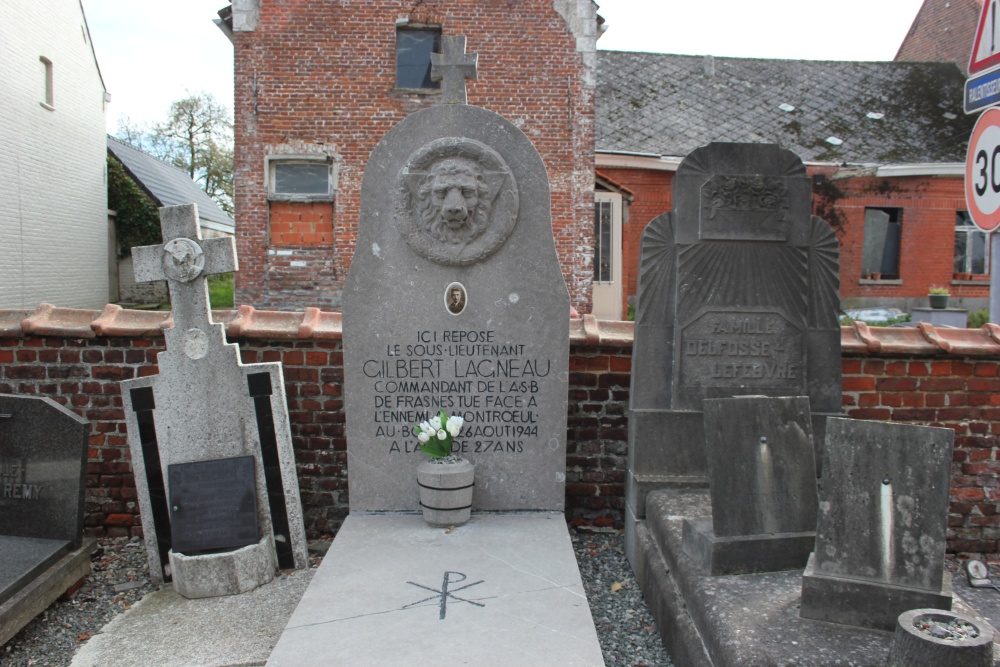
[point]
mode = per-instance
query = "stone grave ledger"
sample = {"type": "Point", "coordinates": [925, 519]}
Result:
{"type": "Point", "coordinates": [43, 458]}
{"type": "Point", "coordinates": [880, 534]}
{"type": "Point", "coordinates": [455, 301]}
{"type": "Point", "coordinates": [737, 296]}
{"type": "Point", "coordinates": [762, 477]}
{"type": "Point", "coordinates": [214, 428]}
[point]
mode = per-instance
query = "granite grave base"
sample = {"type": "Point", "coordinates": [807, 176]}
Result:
{"type": "Point", "coordinates": [33, 573]}
{"type": "Point", "coordinates": [503, 589]}
{"type": "Point", "coordinates": [730, 621]}
{"type": "Point", "coordinates": [869, 604]}
{"type": "Point", "coordinates": [745, 554]}
{"type": "Point", "coordinates": [225, 573]}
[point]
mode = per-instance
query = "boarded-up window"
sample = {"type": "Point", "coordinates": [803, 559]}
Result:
{"type": "Point", "coordinates": [880, 252]}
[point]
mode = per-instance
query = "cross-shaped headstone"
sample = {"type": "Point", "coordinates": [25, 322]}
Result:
{"type": "Point", "coordinates": [184, 260]}
{"type": "Point", "coordinates": [452, 67]}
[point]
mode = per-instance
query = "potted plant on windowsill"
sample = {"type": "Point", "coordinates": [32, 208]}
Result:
{"type": "Point", "coordinates": [446, 481]}
{"type": "Point", "coordinates": [938, 296]}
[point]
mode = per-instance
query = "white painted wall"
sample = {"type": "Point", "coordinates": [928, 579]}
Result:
{"type": "Point", "coordinates": [53, 194]}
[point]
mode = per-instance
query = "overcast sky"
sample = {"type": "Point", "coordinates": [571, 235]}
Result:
{"type": "Point", "coordinates": [152, 53]}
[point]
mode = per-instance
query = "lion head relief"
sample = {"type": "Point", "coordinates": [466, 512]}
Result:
{"type": "Point", "coordinates": [453, 201]}
{"type": "Point", "coordinates": [457, 201]}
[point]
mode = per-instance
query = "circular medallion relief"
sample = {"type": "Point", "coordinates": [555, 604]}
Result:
{"type": "Point", "coordinates": [195, 343]}
{"type": "Point", "coordinates": [183, 260]}
{"type": "Point", "coordinates": [456, 201]}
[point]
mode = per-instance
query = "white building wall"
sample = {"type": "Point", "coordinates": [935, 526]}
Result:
{"type": "Point", "coordinates": [53, 194]}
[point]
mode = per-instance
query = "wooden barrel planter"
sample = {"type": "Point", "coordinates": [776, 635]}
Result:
{"type": "Point", "coordinates": [938, 638]}
{"type": "Point", "coordinates": [446, 491]}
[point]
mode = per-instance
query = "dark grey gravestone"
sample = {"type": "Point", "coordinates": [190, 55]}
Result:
{"type": "Point", "coordinates": [455, 301]}
{"type": "Point", "coordinates": [737, 296]}
{"type": "Point", "coordinates": [204, 405]}
{"type": "Point", "coordinates": [880, 535]}
{"type": "Point", "coordinates": [43, 456]}
{"type": "Point", "coordinates": [762, 475]}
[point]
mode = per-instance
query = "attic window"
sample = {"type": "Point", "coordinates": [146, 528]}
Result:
{"type": "Point", "coordinates": [49, 88]}
{"type": "Point", "coordinates": [834, 141]}
{"type": "Point", "coordinates": [875, 115]}
{"type": "Point", "coordinates": [784, 106]}
{"type": "Point", "coordinates": [414, 47]}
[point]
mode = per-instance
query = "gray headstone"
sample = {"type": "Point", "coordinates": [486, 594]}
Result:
{"type": "Point", "coordinates": [205, 404]}
{"type": "Point", "coordinates": [762, 475]}
{"type": "Point", "coordinates": [455, 300]}
{"type": "Point", "coordinates": [760, 456]}
{"type": "Point", "coordinates": [43, 456]}
{"type": "Point", "coordinates": [880, 534]}
{"type": "Point", "coordinates": [737, 296]}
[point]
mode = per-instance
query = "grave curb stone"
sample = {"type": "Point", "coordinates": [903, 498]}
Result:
{"type": "Point", "coordinates": [226, 573]}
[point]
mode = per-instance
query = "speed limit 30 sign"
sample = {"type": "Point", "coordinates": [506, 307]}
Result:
{"type": "Point", "coordinates": [982, 171]}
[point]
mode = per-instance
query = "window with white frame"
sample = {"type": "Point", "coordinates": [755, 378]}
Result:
{"type": "Point", "coordinates": [972, 246]}
{"type": "Point", "coordinates": [300, 178]}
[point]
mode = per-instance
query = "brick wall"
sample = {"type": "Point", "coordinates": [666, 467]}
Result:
{"type": "Point", "coordinates": [926, 257]}
{"type": "Point", "coordinates": [922, 376]}
{"type": "Point", "coordinates": [319, 78]}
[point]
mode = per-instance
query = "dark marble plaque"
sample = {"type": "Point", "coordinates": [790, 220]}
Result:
{"type": "Point", "coordinates": [213, 504]}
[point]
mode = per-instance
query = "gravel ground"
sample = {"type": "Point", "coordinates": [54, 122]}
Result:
{"type": "Point", "coordinates": [119, 579]}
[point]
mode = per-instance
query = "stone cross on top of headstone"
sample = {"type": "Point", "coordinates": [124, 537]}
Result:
{"type": "Point", "coordinates": [184, 260]}
{"type": "Point", "coordinates": [452, 67]}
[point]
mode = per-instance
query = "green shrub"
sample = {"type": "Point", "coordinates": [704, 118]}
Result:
{"type": "Point", "coordinates": [977, 318]}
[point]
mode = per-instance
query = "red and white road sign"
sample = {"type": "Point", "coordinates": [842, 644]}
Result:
{"type": "Point", "coordinates": [982, 171]}
{"type": "Point", "coordinates": [986, 47]}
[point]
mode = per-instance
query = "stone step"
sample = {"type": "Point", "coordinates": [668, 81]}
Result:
{"type": "Point", "coordinates": [503, 589]}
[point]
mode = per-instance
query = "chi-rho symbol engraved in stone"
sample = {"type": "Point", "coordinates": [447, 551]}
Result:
{"type": "Point", "coordinates": [184, 260]}
{"type": "Point", "coordinates": [444, 593]}
{"type": "Point", "coordinates": [452, 67]}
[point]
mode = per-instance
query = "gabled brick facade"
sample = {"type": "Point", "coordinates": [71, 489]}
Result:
{"type": "Point", "coordinates": [318, 79]}
{"type": "Point", "coordinates": [942, 31]}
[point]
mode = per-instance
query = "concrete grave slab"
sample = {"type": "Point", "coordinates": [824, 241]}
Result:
{"type": "Point", "coordinates": [206, 405]}
{"type": "Point", "coordinates": [504, 589]}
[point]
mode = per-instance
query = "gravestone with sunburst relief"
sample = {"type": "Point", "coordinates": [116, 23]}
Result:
{"type": "Point", "coordinates": [737, 296]}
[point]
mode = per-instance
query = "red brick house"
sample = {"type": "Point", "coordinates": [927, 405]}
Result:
{"type": "Point", "coordinates": [884, 142]}
{"type": "Point", "coordinates": [317, 85]}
